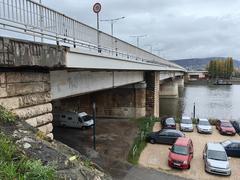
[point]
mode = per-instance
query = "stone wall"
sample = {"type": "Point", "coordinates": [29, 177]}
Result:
{"type": "Point", "coordinates": [27, 94]}
{"type": "Point", "coordinates": [123, 102]}
{"type": "Point", "coordinates": [152, 93]}
{"type": "Point", "coordinates": [15, 53]}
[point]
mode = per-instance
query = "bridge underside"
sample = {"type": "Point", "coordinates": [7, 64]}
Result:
{"type": "Point", "coordinates": [71, 83]}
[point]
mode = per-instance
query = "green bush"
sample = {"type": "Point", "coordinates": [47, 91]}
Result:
{"type": "Point", "coordinates": [14, 165]}
{"type": "Point", "coordinates": [6, 116]}
{"type": "Point", "coordinates": [145, 126]}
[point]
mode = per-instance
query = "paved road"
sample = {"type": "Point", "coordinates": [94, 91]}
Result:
{"type": "Point", "coordinates": [140, 173]}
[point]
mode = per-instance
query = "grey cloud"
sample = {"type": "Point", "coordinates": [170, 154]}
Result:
{"type": "Point", "coordinates": [181, 28]}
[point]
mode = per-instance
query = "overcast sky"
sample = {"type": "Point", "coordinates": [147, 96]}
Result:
{"type": "Point", "coordinates": [178, 28]}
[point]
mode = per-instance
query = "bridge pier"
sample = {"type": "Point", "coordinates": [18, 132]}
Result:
{"type": "Point", "coordinates": [180, 82]}
{"type": "Point", "coordinates": [169, 89]}
{"type": "Point", "coordinates": [152, 93]}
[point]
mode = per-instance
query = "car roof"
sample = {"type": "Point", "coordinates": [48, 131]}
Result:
{"type": "Point", "coordinates": [186, 117]}
{"type": "Point", "coordinates": [182, 141]}
{"type": "Point", "coordinates": [203, 119]}
{"type": "Point", "coordinates": [234, 141]}
{"type": "Point", "coordinates": [215, 146]}
{"type": "Point", "coordinates": [171, 130]}
{"type": "Point", "coordinates": [224, 121]}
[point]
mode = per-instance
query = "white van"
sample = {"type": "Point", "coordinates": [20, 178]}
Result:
{"type": "Point", "coordinates": [73, 119]}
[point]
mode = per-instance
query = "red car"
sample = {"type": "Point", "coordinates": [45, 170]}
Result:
{"type": "Point", "coordinates": [225, 127]}
{"type": "Point", "coordinates": [181, 153]}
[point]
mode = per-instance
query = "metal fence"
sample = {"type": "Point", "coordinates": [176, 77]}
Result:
{"type": "Point", "coordinates": [32, 18]}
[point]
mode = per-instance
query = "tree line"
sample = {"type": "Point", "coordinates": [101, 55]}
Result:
{"type": "Point", "coordinates": [221, 68]}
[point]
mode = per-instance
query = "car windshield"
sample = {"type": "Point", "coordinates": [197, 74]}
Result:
{"type": "Point", "coordinates": [226, 124]}
{"type": "Point", "coordinates": [217, 155]}
{"type": "Point", "coordinates": [206, 123]}
{"type": "Point", "coordinates": [170, 121]}
{"type": "Point", "coordinates": [183, 150]}
{"type": "Point", "coordinates": [226, 143]}
{"type": "Point", "coordinates": [186, 121]}
{"type": "Point", "coordinates": [86, 118]}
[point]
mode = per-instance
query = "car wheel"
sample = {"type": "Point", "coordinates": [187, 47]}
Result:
{"type": "Point", "coordinates": [152, 141]}
{"type": "Point", "coordinates": [189, 166]}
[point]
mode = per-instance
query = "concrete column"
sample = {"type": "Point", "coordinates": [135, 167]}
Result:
{"type": "Point", "coordinates": [186, 78]}
{"type": "Point", "coordinates": [180, 82]}
{"type": "Point", "coordinates": [169, 89]}
{"type": "Point", "coordinates": [152, 93]}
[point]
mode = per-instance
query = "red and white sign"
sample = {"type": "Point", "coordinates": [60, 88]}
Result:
{"type": "Point", "coordinates": [97, 7]}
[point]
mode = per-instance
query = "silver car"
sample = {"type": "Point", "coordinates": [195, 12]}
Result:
{"type": "Point", "coordinates": [216, 160]}
{"type": "Point", "coordinates": [203, 126]}
{"type": "Point", "coordinates": [186, 124]}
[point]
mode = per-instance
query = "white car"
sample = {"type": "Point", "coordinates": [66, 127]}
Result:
{"type": "Point", "coordinates": [216, 160]}
{"type": "Point", "coordinates": [186, 124]}
{"type": "Point", "coordinates": [73, 120]}
{"type": "Point", "coordinates": [203, 126]}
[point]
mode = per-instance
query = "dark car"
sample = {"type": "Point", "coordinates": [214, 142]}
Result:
{"type": "Point", "coordinates": [236, 125]}
{"type": "Point", "coordinates": [232, 147]}
{"type": "Point", "coordinates": [164, 136]}
{"type": "Point", "coordinates": [225, 127]}
{"type": "Point", "coordinates": [168, 123]}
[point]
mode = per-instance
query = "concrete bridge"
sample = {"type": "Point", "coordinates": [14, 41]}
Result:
{"type": "Point", "coordinates": [39, 78]}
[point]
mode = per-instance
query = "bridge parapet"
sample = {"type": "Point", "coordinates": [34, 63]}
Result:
{"type": "Point", "coordinates": [42, 23]}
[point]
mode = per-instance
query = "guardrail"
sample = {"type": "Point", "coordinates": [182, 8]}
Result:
{"type": "Point", "coordinates": [32, 18]}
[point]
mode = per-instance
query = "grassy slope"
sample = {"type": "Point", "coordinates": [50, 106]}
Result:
{"type": "Point", "coordinates": [14, 164]}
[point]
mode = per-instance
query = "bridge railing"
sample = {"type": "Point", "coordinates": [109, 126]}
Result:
{"type": "Point", "coordinates": [32, 18]}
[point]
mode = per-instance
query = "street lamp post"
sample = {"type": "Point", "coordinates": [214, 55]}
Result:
{"type": "Point", "coordinates": [150, 47]}
{"type": "Point", "coordinates": [137, 37]}
{"type": "Point", "coordinates": [112, 21]}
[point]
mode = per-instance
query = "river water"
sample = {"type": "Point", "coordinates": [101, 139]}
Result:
{"type": "Point", "coordinates": [211, 101]}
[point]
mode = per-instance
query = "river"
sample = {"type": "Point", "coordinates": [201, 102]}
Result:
{"type": "Point", "coordinates": [211, 101]}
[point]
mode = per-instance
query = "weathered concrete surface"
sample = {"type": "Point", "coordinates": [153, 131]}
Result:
{"type": "Point", "coordinates": [68, 163]}
{"type": "Point", "coordinates": [15, 53]}
{"type": "Point", "coordinates": [122, 102]}
{"type": "Point", "coordinates": [180, 82]}
{"type": "Point", "coordinates": [27, 94]}
{"type": "Point", "coordinates": [71, 83]}
{"type": "Point", "coordinates": [169, 89]}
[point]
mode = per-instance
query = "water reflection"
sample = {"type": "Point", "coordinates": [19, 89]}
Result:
{"type": "Point", "coordinates": [221, 102]}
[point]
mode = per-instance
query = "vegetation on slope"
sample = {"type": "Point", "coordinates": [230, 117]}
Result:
{"type": "Point", "coordinates": [14, 164]}
{"type": "Point", "coordinates": [145, 126]}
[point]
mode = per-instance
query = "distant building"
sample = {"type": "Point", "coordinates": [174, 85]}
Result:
{"type": "Point", "coordinates": [197, 75]}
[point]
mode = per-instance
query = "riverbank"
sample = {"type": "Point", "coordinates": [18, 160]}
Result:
{"type": "Point", "coordinates": [234, 81]}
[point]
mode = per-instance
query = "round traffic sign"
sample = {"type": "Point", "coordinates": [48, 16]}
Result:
{"type": "Point", "coordinates": [97, 7]}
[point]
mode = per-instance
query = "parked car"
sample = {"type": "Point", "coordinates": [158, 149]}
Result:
{"type": "Point", "coordinates": [186, 124]}
{"type": "Point", "coordinates": [181, 153]}
{"type": "Point", "coordinates": [216, 160]}
{"type": "Point", "coordinates": [164, 136]}
{"type": "Point", "coordinates": [232, 147]}
{"type": "Point", "coordinates": [236, 125]}
{"type": "Point", "coordinates": [225, 127]}
{"type": "Point", "coordinates": [168, 123]}
{"type": "Point", "coordinates": [203, 126]}
{"type": "Point", "coordinates": [73, 120]}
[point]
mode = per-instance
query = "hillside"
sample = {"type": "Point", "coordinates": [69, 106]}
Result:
{"type": "Point", "coordinates": [200, 63]}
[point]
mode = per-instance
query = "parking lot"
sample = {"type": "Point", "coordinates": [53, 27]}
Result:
{"type": "Point", "coordinates": [156, 156]}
